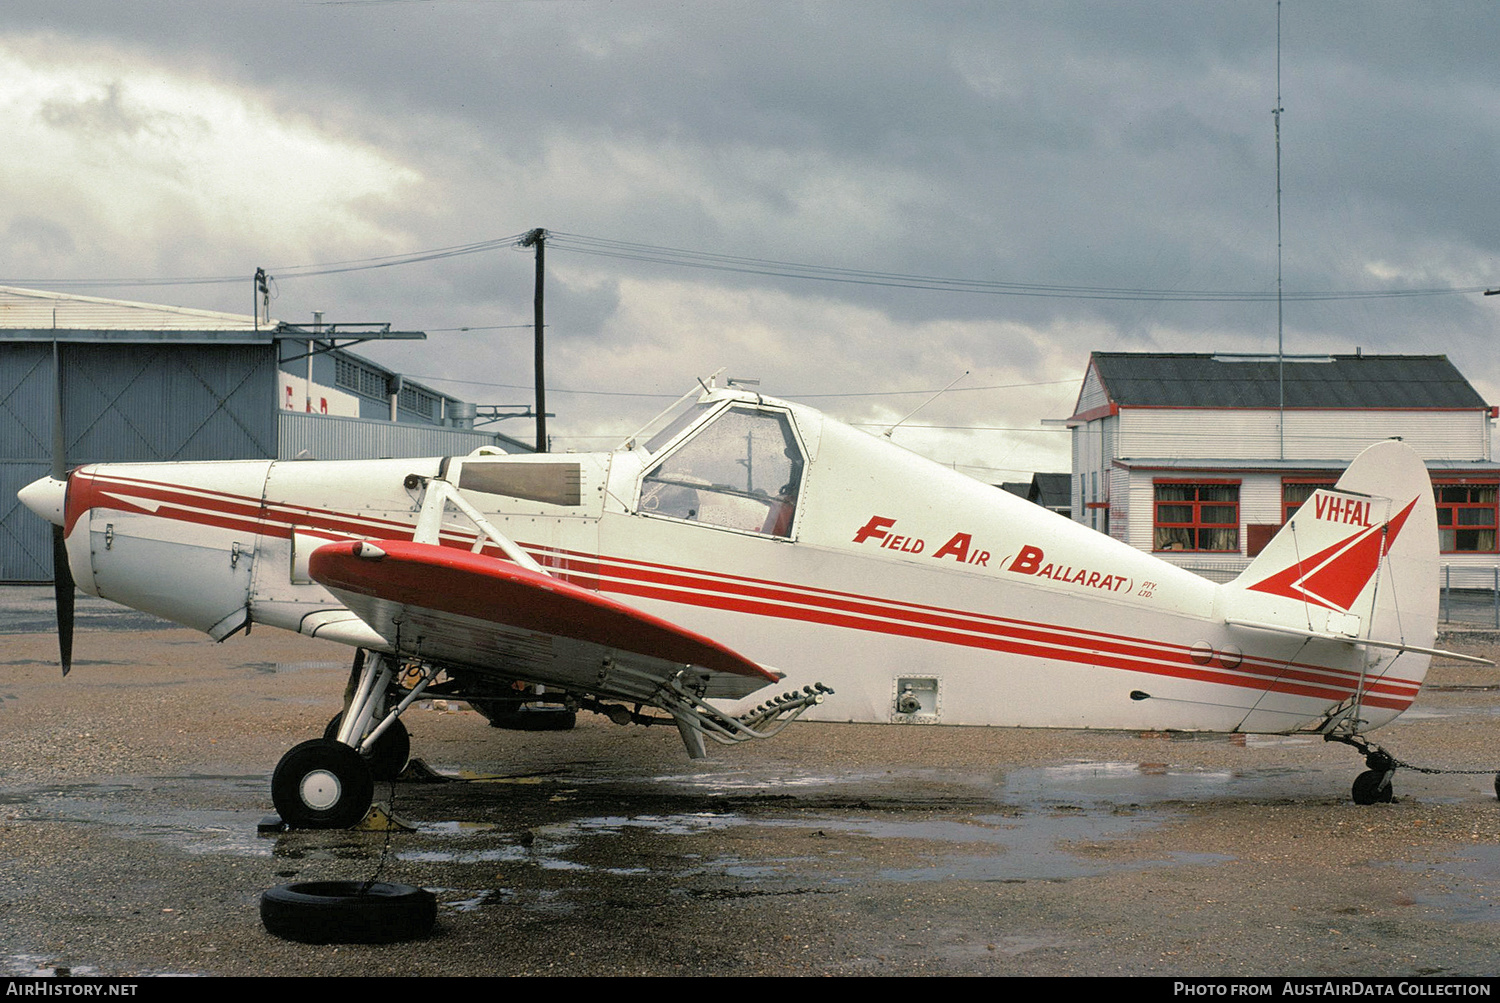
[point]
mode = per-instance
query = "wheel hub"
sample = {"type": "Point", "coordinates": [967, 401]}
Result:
{"type": "Point", "coordinates": [320, 790]}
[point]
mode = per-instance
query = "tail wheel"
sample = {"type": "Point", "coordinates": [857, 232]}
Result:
{"type": "Point", "coordinates": [391, 753]}
{"type": "Point", "coordinates": [322, 784]}
{"type": "Point", "coordinates": [1373, 787]}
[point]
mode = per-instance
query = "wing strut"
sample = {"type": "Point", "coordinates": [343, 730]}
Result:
{"type": "Point", "coordinates": [435, 501]}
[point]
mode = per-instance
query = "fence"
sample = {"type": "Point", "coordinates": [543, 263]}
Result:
{"type": "Point", "coordinates": [1470, 595]}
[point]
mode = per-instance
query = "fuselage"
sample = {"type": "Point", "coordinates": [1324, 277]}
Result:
{"type": "Point", "coordinates": [919, 594]}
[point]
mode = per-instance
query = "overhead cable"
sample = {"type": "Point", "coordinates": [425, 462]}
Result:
{"type": "Point", "coordinates": [681, 257]}
{"type": "Point", "coordinates": [686, 258]}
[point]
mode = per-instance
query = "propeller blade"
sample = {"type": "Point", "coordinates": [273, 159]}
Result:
{"type": "Point", "coordinates": [63, 589]}
{"type": "Point", "coordinates": [62, 576]}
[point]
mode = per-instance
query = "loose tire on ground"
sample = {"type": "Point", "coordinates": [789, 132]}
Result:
{"type": "Point", "coordinates": [391, 753]}
{"type": "Point", "coordinates": [322, 784]}
{"type": "Point", "coordinates": [348, 912]}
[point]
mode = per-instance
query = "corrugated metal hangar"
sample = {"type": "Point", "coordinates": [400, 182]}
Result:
{"type": "Point", "coordinates": [149, 383]}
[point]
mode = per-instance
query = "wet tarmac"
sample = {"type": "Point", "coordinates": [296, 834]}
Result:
{"type": "Point", "coordinates": [132, 790]}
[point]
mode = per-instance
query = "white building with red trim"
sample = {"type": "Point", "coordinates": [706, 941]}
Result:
{"type": "Point", "coordinates": [1200, 458]}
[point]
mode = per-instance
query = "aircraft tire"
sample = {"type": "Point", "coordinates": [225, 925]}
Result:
{"type": "Point", "coordinates": [391, 753]}
{"type": "Point", "coordinates": [322, 784]}
{"type": "Point", "coordinates": [348, 912]}
{"type": "Point", "coordinates": [1372, 787]}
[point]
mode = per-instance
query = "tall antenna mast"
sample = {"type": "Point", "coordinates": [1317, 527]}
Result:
{"type": "Point", "coordinates": [1280, 359]}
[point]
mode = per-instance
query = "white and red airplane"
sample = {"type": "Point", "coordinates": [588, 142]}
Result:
{"type": "Point", "coordinates": [741, 542]}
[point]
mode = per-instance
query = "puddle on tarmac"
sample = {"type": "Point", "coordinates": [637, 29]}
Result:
{"type": "Point", "coordinates": [1030, 824]}
{"type": "Point", "coordinates": [690, 824]}
{"type": "Point", "coordinates": [135, 807]}
{"type": "Point", "coordinates": [35, 966]}
{"type": "Point", "coordinates": [737, 782]}
{"type": "Point", "coordinates": [1036, 815]}
{"type": "Point", "coordinates": [1468, 885]}
{"type": "Point", "coordinates": [278, 668]}
{"type": "Point", "coordinates": [1117, 786]}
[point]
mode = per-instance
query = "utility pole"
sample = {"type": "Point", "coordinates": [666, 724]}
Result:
{"type": "Point", "coordinates": [538, 238]}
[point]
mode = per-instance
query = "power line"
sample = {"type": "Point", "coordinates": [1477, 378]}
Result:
{"type": "Point", "coordinates": [686, 258]}
{"type": "Point", "coordinates": [961, 428]}
{"type": "Point", "coordinates": [283, 272]}
{"type": "Point", "coordinates": [682, 257]}
{"type": "Point", "coordinates": [492, 327]}
{"type": "Point", "coordinates": [781, 396]}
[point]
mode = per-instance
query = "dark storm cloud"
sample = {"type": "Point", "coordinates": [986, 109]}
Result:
{"type": "Point", "coordinates": [1098, 144]}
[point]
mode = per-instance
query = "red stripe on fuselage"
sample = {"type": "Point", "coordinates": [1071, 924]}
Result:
{"type": "Point", "coordinates": [758, 597]}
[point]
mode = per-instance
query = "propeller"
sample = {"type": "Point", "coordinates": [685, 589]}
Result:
{"type": "Point", "coordinates": [63, 587]}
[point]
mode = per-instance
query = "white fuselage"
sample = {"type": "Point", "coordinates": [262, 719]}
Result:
{"type": "Point", "coordinates": [919, 594]}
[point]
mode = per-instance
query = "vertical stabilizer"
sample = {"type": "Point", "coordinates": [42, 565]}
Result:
{"type": "Point", "coordinates": [1356, 562]}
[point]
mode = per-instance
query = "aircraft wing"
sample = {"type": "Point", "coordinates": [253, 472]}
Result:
{"type": "Point", "coordinates": [467, 609]}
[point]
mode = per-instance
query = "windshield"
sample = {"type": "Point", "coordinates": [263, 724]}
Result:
{"type": "Point", "coordinates": [742, 471]}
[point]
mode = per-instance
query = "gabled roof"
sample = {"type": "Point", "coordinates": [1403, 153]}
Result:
{"type": "Point", "coordinates": [1171, 379]}
{"type": "Point", "coordinates": [1052, 490]}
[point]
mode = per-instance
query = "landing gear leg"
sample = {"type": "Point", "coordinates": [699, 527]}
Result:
{"type": "Point", "coordinates": [390, 754]}
{"type": "Point", "coordinates": [1374, 785]}
{"type": "Point", "coordinates": [329, 782]}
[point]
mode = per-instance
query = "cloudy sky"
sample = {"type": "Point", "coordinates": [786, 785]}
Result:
{"type": "Point", "coordinates": [1077, 176]}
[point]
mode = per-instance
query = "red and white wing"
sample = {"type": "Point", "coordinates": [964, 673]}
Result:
{"type": "Point", "coordinates": [460, 608]}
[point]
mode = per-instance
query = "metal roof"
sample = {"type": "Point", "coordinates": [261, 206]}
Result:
{"type": "Point", "coordinates": [1053, 490]}
{"type": "Point", "coordinates": [1162, 379]}
{"type": "Point", "coordinates": [38, 309]}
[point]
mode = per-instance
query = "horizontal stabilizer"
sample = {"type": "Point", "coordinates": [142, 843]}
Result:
{"type": "Point", "coordinates": [1361, 641]}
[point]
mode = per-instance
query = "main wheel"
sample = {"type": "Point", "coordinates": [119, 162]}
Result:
{"type": "Point", "coordinates": [1373, 787]}
{"type": "Point", "coordinates": [392, 749]}
{"type": "Point", "coordinates": [322, 784]}
{"type": "Point", "coordinates": [348, 912]}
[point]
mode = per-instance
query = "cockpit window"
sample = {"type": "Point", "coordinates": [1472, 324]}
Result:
{"type": "Point", "coordinates": [742, 471]}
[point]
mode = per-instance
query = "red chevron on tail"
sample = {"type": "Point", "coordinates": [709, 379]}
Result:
{"type": "Point", "coordinates": [1335, 576]}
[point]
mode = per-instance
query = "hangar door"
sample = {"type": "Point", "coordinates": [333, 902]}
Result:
{"type": "Point", "coordinates": [121, 402]}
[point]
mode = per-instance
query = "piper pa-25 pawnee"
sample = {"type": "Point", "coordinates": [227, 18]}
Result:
{"type": "Point", "coordinates": [741, 542]}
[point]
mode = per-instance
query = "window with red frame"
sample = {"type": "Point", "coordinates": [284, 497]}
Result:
{"type": "Point", "coordinates": [1197, 516]}
{"type": "Point", "coordinates": [1467, 516]}
{"type": "Point", "coordinates": [1296, 490]}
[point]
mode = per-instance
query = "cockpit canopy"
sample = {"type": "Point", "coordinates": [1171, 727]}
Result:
{"type": "Point", "coordinates": [741, 469]}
